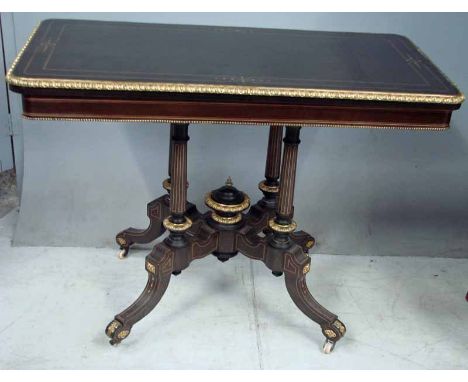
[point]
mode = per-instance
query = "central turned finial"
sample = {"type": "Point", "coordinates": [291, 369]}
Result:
{"type": "Point", "coordinates": [227, 203]}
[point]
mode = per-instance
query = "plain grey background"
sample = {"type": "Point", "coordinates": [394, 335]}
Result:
{"type": "Point", "coordinates": [359, 191]}
{"type": "Point", "coordinates": [6, 152]}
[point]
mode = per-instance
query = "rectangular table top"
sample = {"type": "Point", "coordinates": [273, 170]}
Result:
{"type": "Point", "coordinates": [145, 71]}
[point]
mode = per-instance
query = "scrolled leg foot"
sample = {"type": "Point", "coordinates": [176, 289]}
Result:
{"type": "Point", "coordinates": [332, 332]}
{"type": "Point", "coordinates": [117, 332]}
{"type": "Point", "coordinates": [157, 210]}
{"type": "Point", "coordinates": [159, 265]}
{"type": "Point", "coordinates": [303, 239]}
{"type": "Point", "coordinates": [296, 266]}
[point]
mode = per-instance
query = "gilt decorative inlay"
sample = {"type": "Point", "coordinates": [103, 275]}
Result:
{"type": "Point", "coordinates": [150, 267]}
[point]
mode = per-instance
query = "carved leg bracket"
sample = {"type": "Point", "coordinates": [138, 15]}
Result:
{"type": "Point", "coordinates": [158, 210]}
{"type": "Point", "coordinates": [296, 266]}
{"type": "Point", "coordinates": [160, 264]}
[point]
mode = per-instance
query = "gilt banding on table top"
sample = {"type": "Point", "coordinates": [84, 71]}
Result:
{"type": "Point", "coordinates": [82, 69]}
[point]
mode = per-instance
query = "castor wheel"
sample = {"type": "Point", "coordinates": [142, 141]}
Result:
{"type": "Point", "coordinates": [117, 339]}
{"type": "Point", "coordinates": [124, 245]}
{"type": "Point", "coordinates": [114, 343]}
{"type": "Point", "coordinates": [112, 327]}
{"type": "Point", "coordinates": [123, 252]}
{"type": "Point", "coordinates": [276, 273]}
{"type": "Point", "coordinates": [328, 346]}
{"type": "Point", "coordinates": [176, 273]}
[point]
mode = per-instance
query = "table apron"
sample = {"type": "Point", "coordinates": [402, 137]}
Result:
{"type": "Point", "coordinates": [237, 112]}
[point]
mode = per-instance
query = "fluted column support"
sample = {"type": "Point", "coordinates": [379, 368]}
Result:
{"type": "Point", "coordinates": [177, 223]}
{"type": "Point", "coordinates": [283, 224]}
{"type": "Point", "coordinates": [270, 186]}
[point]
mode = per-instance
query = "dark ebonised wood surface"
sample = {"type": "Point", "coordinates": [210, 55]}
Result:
{"type": "Point", "coordinates": [94, 50]}
{"type": "Point", "coordinates": [184, 73]}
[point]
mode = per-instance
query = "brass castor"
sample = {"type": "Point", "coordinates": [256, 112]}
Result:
{"type": "Point", "coordinates": [116, 332]}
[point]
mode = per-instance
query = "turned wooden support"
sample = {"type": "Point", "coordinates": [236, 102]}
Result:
{"type": "Point", "coordinates": [167, 182]}
{"type": "Point", "coordinates": [288, 174]}
{"type": "Point", "coordinates": [179, 172]}
{"type": "Point", "coordinates": [282, 224]}
{"type": "Point", "coordinates": [177, 223]}
{"type": "Point", "coordinates": [273, 160]}
{"type": "Point", "coordinates": [270, 185]}
{"type": "Point", "coordinates": [171, 142]}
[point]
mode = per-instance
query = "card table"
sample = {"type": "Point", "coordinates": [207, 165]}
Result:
{"type": "Point", "coordinates": [184, 74]}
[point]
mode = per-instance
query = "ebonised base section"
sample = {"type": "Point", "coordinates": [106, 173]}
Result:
{"type": "Point", "coordinates": [250, 236]}
{"type": "Point", "coordinates": [266, 233]}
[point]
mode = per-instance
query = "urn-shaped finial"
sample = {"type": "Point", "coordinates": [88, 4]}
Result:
{"type": "Point", "coordinates": [227, 203]}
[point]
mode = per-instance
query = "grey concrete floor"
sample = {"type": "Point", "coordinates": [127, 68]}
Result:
{"type": "Point", "coordinates": [8, 195]}
{"type": "Point", "coordinates": [401, 312]}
